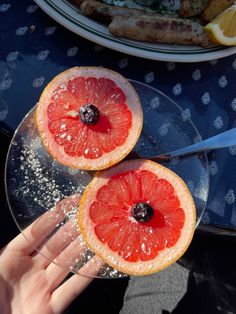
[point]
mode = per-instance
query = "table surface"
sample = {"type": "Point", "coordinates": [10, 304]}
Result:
{"type": "Point", "coordinates": [34, 48]}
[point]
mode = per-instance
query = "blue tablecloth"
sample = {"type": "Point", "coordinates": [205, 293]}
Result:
{"type": "Point", "coordinates": [34, 48]}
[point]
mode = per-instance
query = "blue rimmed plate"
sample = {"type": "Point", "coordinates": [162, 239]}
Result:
{"type": "Point", "coordinates": [71, 18]}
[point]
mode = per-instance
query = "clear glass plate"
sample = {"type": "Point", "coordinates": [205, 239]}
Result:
{"type": "Point", "coordinates": [35, 182]}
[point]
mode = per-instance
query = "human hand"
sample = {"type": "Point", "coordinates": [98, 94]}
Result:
{"type": "Point", "coordinates": [32, 283]}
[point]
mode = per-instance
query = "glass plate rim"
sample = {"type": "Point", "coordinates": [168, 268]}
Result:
{"type": "Point", "coordinates": [33, 108]}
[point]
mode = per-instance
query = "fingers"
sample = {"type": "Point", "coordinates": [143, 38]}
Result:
{"type": "Point", "coordinates": [72, 255]}
{"type": "Point", "coordinates": [37, 232]}
{"type": "Point", "coordinates": [53, 246]}
{"type": "Point", "coordinates": [69, 290]}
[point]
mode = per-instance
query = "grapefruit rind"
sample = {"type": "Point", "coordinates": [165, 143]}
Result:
{"type": "Point", "coordinates": [166, 257]}
{"type": "Point", "coordinates": [107, 159]}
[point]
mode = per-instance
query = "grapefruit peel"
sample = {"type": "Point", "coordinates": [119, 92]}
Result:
{"type": "Point", "coordinates": [167, 256]}
{"type": "Point", "coordinates": [108, 158]}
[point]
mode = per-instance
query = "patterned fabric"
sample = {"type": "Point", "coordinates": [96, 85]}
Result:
{"type": "Point", "coordinates": [34, 48]}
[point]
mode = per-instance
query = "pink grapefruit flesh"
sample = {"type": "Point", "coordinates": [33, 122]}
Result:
{"type": "Point", "coordinates": [108, 225]}
{"type": "Point", "coordinates": [77, 144]}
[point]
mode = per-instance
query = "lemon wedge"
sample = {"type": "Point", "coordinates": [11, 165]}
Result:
{"type": "Point", "coordinates": [222, 29]}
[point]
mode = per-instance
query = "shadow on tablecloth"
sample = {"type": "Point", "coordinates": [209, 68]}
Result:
{"type": "Point", "coordinates": [204, 282]}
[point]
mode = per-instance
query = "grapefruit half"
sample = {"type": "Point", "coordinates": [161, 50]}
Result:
{"type": "Point", "coordinates": [89, 117]}
{"type": "Point", "coordinates": [138, 216]}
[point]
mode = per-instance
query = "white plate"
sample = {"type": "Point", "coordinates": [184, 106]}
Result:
{"type": "Point", "coordinates": [70, 17]}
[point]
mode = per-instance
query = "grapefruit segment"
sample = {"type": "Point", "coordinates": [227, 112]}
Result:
{"type": "Point", "coordinates": [166, 203]}
{"type": "Point", "coordinates": [138, 216]}
{"type": "Point", "coordinates": [120, 189]}
{"type": "Point", "coordinates": [175, 217]}
{"type": "Point", "coordinates": [89, 117]}
{"type": "Point", "coordinates": [132, 181]}
{"type": "Point", "coordinates": [148, 184]}
{"type": "Point", "coordinates": [100, 213]}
